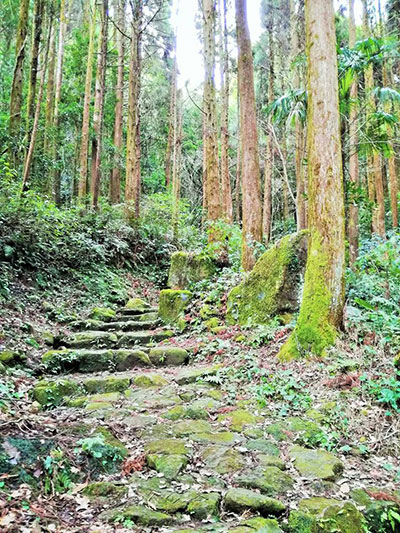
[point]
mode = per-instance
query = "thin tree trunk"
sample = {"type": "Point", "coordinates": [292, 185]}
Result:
{"type": "Point", "coordinates": [299, 129]}
{"type": "Point", "coordinates": [225, 177]}
{"type": "Point", "coordinates": [84, 151]}
{"type": "Point", "coordinates": [36, 37]}
{"type": "Point", "coordinates": [238, 167]}
{"type": "Point", "coordinates": [353, 147]}
{"type": "Point", "coordinates": [269, 152]}
{"type": "Point", "coordinates": [133, 177]}
{"type": "Point", "coordinates": [176, 166]}
{"type": "Point", "coordinates": [17, 83]}
{"type": "Point", "coordinates": [172, 112]}
{"type": "Point", "coordinates": [213, 201]}
{"type": "Point", "coordinates": [57, 99]}
{"type": "Point", "coordinates": [115, 180]}
{"type": "Point", "coordinates": [50, 92]}
{"type": "Point", "coordinates": [98, 112]}
{"type": "Point", "coordinates": [29, 155]}
{"type": "Point", "coordinates": [251, 186]}
{"type": "Point", "coordinates": [321, 312]}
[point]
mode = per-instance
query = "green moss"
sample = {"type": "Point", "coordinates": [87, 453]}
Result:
{"type": "Point", "coordinates": [239, 500]}
{"type": "Point", "coordinates": [168, 356]}
{"type": "Point", "coordinates": [173, 304]}
{"type": "Point", "coordinates": [204, 505]}
{"type": "Point", "coordinates": [149, 380]}
{"type": "Point", "coordinates": [104, 489]}
{"type": "Point", "coordinates": [188, 268]}
{"type": "Point", "coordinates": [51, 393]}
{"type": "Point", "coordinates": [314, 331]}
{"type": "Point", "coordinates": [316, 464]}
{"type": "Point", "coordinates": [139, 515]}
{"type": "Point", "coordinates": [168, 447]}
{"type": "Point", "coordinates": [269, 480]}
{"type": "Point", "coordinates": [321, 515]}
{"type": "Point", "coordinates": [212, 323]}
{"type": "Point", "coordinates": [238, 419]}
{"type": "Point", "coordinates": [273, 286]}
{"type": "Point", "coordinates": [109, 384]}
{"type": "Point", "coordinates": [169, 465]}
{"type": "Point", "coordinates": [137, 305]}
{"type": "Point", "coordinates": [104, 314]}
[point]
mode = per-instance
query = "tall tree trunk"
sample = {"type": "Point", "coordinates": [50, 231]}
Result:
{"type": "Point", "coordinates": [251, 186]}
{"type": "Point", "coordinates": [115, 180]}
{"type": "Point", "coordinates": [50, 92]}
{"type": "Point", "coordinates": [98, 112]}
{"type": "Point", "coordinates": [29, 155]}
{"type": "Point", "coordinates": [353, 147]}
{"type": "Point", "coordinates": [176, 166]}
{"type": "Point", "coordinates": [301, 215]}
{"type": "Point", "coordinates": [84, 151]}
{"type": "Point", "coordinates": [133, 155]}
{"type": "Point", "coordinates": [269, 152]}
{"type": "Point", "coordinates": [36, 37]}
{"type": "Point", "coordinates": [57, 99]}
{"type": "Point", "coordinates": [16, 89]}
{"type": "Point", "coordinates": [213, 200]}
{"type": "Point", "coordinates": [321, 312]}
{"type": "Point", "coordinates": [172, 112]}
{"type": "Point", "coordinates": [225, 176]}
{"type": "Point", "coordinates": [374, 161]}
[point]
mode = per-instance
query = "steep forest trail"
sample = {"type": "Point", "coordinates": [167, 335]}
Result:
{"type": "Point", "coordinates": [151, 443]}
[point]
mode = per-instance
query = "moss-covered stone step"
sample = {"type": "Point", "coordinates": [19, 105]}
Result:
{"type": "Point", "coordinates": [240, 500]}
{"type": "Point", "coordinates": [128, 325]}
{"type": "Point", "coordinates": [106, 339]}
{"type": "Point", "coordinates": [135, 312]}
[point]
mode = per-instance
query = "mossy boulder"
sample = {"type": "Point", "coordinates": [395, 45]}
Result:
{"type": "Point", "coordinates": [168, 356]}
{"type": "Point", "coordinates": [103, 314]}
{"type": "Point", "coordinates": [238, 419]}
{"type": "Point", "coordinates": [109, 384]}
{"type": "Point", "coordinates": [187, 268]}
{"type": "Point", "coordinates": [104, 490]}
{"type": "Point", "coordinates": [294, 427]}
{"type": "Point", "coordinates": [204, 506]}
{"type": "Point", "coordinates": [173, 304]}
{"type": "Point", "coordinates": [316, 464]}
{"type": "Point", "coordinates": [258, 525]}
{"type": "Point", "coordinates": [87, 339]}
{"type": "Point", "coordinates": [263, 445]}
{"type": "Point", "coordinates": [269, 480]}
{"type": "Point", "coordinates": [322, 515]}
{"type": "Point", "coordinates": [52, 393]}
{"type": "Point", "coordinates": [192, 375]}
{"type": "Point", "coordinates": [240, 500]}
{"type": "Point", "coordinates": [136, 305]}
{"type": "Point", "coordinates": [9, 357]}
{"type": "Point", "coordinates": [374, 508]}
{"type": "Point", "coordinates": [222, 437]}
{"type": "Point", "coordinates": [274, 285]}
{"type": "Point", "coordinates": [169, 465]}
{"type": "Point", "coordinates": [139, 514]}
{"type": "Point", "coordinates": [168, 447]}
{"type": "Point", "coordinates": [179, 411]}
{"type": "Point", "coordinates": [190, 427]}
{"type": "Point", "coordinates": [3, 369]}
{"type": "Point", "coordinates": [222, 459]}
{"type": "Point", "coordinates": [149, 380]}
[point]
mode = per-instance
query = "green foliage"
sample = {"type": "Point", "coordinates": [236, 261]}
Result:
{"type": "Point", "coordinates": [285, 388]}
{"type": "Point", "coordinates": [100, 453]}
{"type": "Point", "coordinates": [58, 476]}
{"type": "Point", "coordinates": [386, 390]}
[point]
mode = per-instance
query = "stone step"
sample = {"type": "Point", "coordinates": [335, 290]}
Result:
{"type": "Point", "coordinates": [92, 360]}
{"type": "Point", "coordinates": [141, 317]}
{"type": "Point", "coordinates": [133, 312]}
{"type": "Point", "coordinates": [128, 325]}
{"type": "Point", "coordinates": [114, 339]}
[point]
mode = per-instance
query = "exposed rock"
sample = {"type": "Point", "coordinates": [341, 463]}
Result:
{"type": "Point", "coordinates": [53, 392]}
{"type": "Point", "coordinates": [222, 460]}
{"type": "Point", "coordinates": [316, 464]}
{"type": "Point", "coordinates": [187, 268]}
{"type": "Point", "coordinates": [263, 445]}
{"type": "Point", "coordinates": [222, 437]}
{"type": "Point", "coordinates": [204, 505]}
{"type": "Point", "coordinates": [258, 525]}
{"type": "Point", "coordinates": [238, 419]}
{"type": "Point", "coordinates": [239, 500]}
{"type": "Point", "coordinates": [149, 380]}
{"type": "Point", "coordinates": [374, 508]}
{"type": "Point", "coordinates": [178, 412]}
{"type": "Point", "coordinates": [103, 491]}
{"type": "Point", "coordinates": [271, 460]}
{"type": "Point", "coordinates": [173, 304]}
{"type": "Point", "coordinates": [103, 314]}
{"type": "Point", "coordinates": [191, 375]}
{"type": "Point", "coordinates": [87, 339]}
{"type": "Point", "coordinates": [269, 480]}
{"type": "Point", "coordinates": [303, 430]}
{"type": "Point", "coordinates": [168, 356]}
{"type": "Point", "coordinates": [274, 285]}
{"type": "Point", "coordinates": [169, 465]}
{"type": "Point", "coordinates": [139, 515]}
{"type": "Point", "coordinates": [108, 384]}
{"type": "Point", "coordinates": [321, 515]}
{"type": "Point", "coordinates": [136, 305]}
{"type": "Point", "coordinates": [167, 446]}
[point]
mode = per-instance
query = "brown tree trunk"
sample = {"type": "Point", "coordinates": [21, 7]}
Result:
{"type": "Point", "coordinates": [16, 89]}
{"type": "Point", "coordinates": [84, 151]}
{"type": "Point", "coordinates": [251, 187]}
{"type": "Point", "coordinates": [115, 180]}
{"type": "Point", "coordinates": [225, 176]}
{"type": "Point", "coordinates": [353, 147]}
{"type": "Point", "coordinates": [29, 155]}
{"type": "Point", "coordinates": [299, 129]}
{"type": "Point", "coordinates": [176, 166]}
{"type": "Point", "coordinates": [133, 177]}
{"type": "Point", "coordinates": [321, 312]}
{"type": "Point", "coordinates": [98, 111]}
{"type": "Point", "coordinates": [50, 92]}
{"type": "Point", "coordinates": [269, 152]}
{"type": "Point", "coordinates": [238, 183]}
{"type": "Point", "coordinates": [213, 201]}
{"type": "Point", "coordinates": [172, 112]}
{"type": "Point", "coordinates": [57, 99]}
{"type": "Point", "coordinates": [36, 37]}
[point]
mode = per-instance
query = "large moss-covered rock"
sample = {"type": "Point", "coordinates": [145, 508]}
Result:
{"type": "Point", "coordinates": [102, 491]}
{"type": "Point", "coordinates": [238, 419]}
{"type": "Point", "coordinates": [168, 355]}
{"type": "Point", "coordinates": [103, 314]}
{"type": "Point", "coordinates": [51, 393]}
{"type": "Point", "coordinates": [169, 465]}
{"type": "Point", "coordinates": [168, 447]}
{"type": "Point", "coordinates": [204, 505]}
{"type": "Point", "coordinates": [190, 427]}
{"type": "Point", "coordinates": [222, 460]}
{"type": "Point", "coordinates": [136, 305]}
{"type": "Point", "coordinates": [274, 285]}
{"type": "Point", "coordinates": [269, 480]}
{"type": "Point", "coordinates": [316, 464]}
{"type": "Point", "coordinates": [149, 380]}
{"type": "Point", "coordinates": [189, 268]}
{"type": "Point", "coordinates": [139, 514]}
{"type": "Point", "coordinates": [257, 525]}
{"type": "Point", "coordinates": [239, 500]}
{"type": "Point", "coordinates": [322, 515]}
{"type": "Point", "coordinates": [108, 384]}
{"type": "Point", "coordinates": [173, 304]}
{"type": "Point", "coordinates": [374, 508]}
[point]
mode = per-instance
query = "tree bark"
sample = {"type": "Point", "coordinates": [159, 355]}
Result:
{"type": "Point", "coordinates": [176, 166]}
{"type": "Point", "coordinates": [172, 112]}
{"type": "Point", "coordinates": [251, 187]}
{"type": "Point", "coordinates": [36, 37]}
{"type": "Point", "coordinates": [321, 312]}
{"type": "Point", "coordinates": [50, 94]}
{"type": "Point", "coordinates": [98, 112]}
{"type": "Point", "coordinates": [269, 152]}
{"type": "Point", "coordinates": [17, 83]}
{"type": "Point", "coordinates": [353, 147]}
{"type": "Point", "coordinates": [211, 179]}
{"type": "Point", "coordinates": [84, 151]}
{"type": "Point", "coordinates": [57, 99]}
{"type": "Point", "coordinates": [115, 179]}
{"type": "Point", "coordinates": [225, 176]}
{"type": "Point", "coordinates": [133, 154]}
